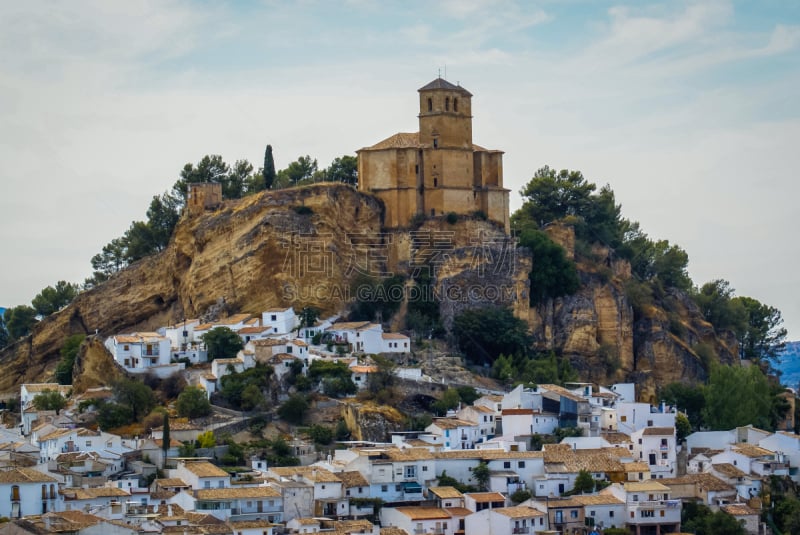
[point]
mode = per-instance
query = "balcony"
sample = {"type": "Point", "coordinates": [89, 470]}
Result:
{"type": "Point", "coordinates": [524, 529]}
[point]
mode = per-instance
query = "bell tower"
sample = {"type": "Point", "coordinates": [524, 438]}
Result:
{"type": "Point", "coordinates": [445, 116]}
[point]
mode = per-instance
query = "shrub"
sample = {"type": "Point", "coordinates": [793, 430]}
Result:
{"type": "Point", "coordinates": [520, 496]}
{"type": "Point", "coordinates": [320, 434]}
{"type": "Point", "coordinates": [452, 218]}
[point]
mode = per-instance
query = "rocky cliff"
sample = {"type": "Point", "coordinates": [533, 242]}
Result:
{"type": "Point", "coordinates": [304, 246]}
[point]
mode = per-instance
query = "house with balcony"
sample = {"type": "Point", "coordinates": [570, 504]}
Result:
{"type": "Point", "coordinates": [702, 488]}
{"type": "Point", "coordinates": [328, 498]}
{"type": "Point", "coordinates": [787, 444]}
{"type": "Point", "coordinates": [445, 497]}
{"type": "Point", "coordinates": [518, 520]}
{"type": "Point", "coordinates": [564, 515]}
{"type": "Point", "coordinates": [419, 520]}
{"type": "Point", "coordinates": [602, 510]}
{"type": "Point", "coordinates": [657, 447]}
{"type": "Point", "coordinates": [238, 504]}
{"type": "Point", "coordinates": [453, 433]}
{"type": "Point", "coordinates": [632, 417]}
{"type": "Point", "coordinates": [140, 352]}
{"type": "Point", "coordinates": [108, 500]}
{"type": "Point", "coordinates": [26, 492]}
{"type": "Point", "coordinates": [356, 488]}
{"type": "Point", "coordinates": [649, 507]}
{"type": "Point", "coordinates": [355, 336]}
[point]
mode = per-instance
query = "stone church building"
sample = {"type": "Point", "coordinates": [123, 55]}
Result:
{"type": "Point", "coordinates": [438, 169]}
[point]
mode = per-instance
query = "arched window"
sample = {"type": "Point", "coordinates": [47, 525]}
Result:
{"type": "Point", "coordinates": [446, 103]}
{"type": "Point", "coordinates": [455, 104]}
{"type": "Point", "coordinates": [44, 492]}
{"type": "Point", "coordinates": [430, 104]}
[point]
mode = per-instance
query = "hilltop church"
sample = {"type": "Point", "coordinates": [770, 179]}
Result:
{"type": "Point", "coordinates": [438, 169]}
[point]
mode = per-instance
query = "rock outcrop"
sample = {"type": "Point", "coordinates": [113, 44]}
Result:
{"type": "Point", "coordinates": [303, 246]}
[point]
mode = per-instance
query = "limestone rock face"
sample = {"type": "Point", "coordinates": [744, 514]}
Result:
{"type": "Point", "coordinates": [301, 247]}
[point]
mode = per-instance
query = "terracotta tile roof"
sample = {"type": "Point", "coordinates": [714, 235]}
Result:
{"type": "Point", "coordinates": [519, 511]}
{"type": "Point", "coordinates": [517, 412]}
{"type": "Point", "coordinates": [704, 481]}
{"type": "Point", "coordinates": [728, 470]}
{"type": "Point", "coordinates": [315, 474]}
{"type": "Point", "coordinates": [349, 325]}
{"type": "Point", "coordinates": [481, 408]}
{"type": "Point", "coordinates": [394, 336]}
{"type": "Point", "coordinates": [445, 492]}
{"type": "Point", "coordinates": [393, 530]}
{"type": "Point", "coordinates": [25, 475]}
{"type": "Point", "coordinates": [636, 466]}
{"type": "Point", "coordinates": [277, 309]}
{"type": "Point", "coordinates": [242, 492]}
{"type": "Point", "coordinates": [658, 431]}
{"type": "Point", "coordinates": [597, 499]}
{"type": "Point", "coordinates": [232, 320]}
{"type": "Point", "coordinates": [616, 437]}
{"type": "Point", "coordinates": [169, 482]}
{"type": "Point", "coordinates": [409, 454]}
{"type": "Point", "coordinates": [251, 524]}
{"type": "Point", "coordinates": [364, 369]}
{"type": "Point", "coordinates": [740, 509]}
{"type": "Point", "coordinates": [563, 392]}
{"type": "Point", "coordinates": [401, 140]}
{"type": "Point", "coordinates": [423, 513]}
{"type": "Point", "coordinates": [451, 423]}
{"type": "Point", "coordinates": [458, 511]}
{"type": "Point", "coordinates": [268, 342]}
{"type": "Point", "coordinates": [254, 330]}
{"type": "Point", "coordinates": [93, 492]}
{"type": "Point", "coordinates": [346, 527]}
{"type": "Point", "coordinates": [751, 450]}
{"type": "Point", "coordinates": [352, 479]}
{"type": "Point", "coordinates": [591, 460]}
{"type": "Point", "coordinates": [205, 469]}
{"type": "Point", "coordinates": [560, 503]}
{"type": "Point", "coordinates": [645, 486]}
{"type": "Point", "coordinates": [484, 497]}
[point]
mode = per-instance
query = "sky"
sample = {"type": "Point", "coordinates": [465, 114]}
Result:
{"type": "Point", "coordinates": [688, 110]}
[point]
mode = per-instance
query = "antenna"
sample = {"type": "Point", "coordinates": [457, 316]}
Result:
{"type": "Point", "coordinates": [445, 71]}
{"type": "Point", "coordinates": [440, 72]}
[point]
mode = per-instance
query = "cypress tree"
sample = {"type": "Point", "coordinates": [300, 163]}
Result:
{"type": "Point", "coordinates": [165, 439]}
{"type": "Point", "coordinates": [269, 168]}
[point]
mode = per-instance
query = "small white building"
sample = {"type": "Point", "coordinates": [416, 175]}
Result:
{"type": "Point", "coordinates": [280, 320]}
{"type": "Point", "coordinates": [507, 521]}
{"type": "Point", "coordinates": [201, 474]}
{"type": "Point", "coordinates": [28, 492]}
{"type": "Point", "coordinates": [395, 343]}
{"type": "Point", "coordinates": [657, 447]}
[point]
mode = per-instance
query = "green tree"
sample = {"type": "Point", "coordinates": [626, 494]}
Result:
{"type": "Point", "coordinates": [193, 403]}
{"type": "Point", "coordinates": [341, 432]}
{"type": "Point", "coordinates": [52, 299]}
{"type": "Point", "coordinates": [211, 168]}
{"type": "Point", "coordinates": [135, 395]}
{"type": "Point", "coordinates": [4, 337]}
{"type": "Point", "coordinates": [553, 274]}
{"type": "Point", "coordinates": [338, 387]}
{"type": "Point", "coordinates": [688, 398]}
{"type": "Point", "coordinates": [485, 333]}
{"type": "Point", "coordinates": [320, 434]}
{"type": "Point", "coordinates": [682, 426]}
{"type": "Point", "coordinates": [737, 396]}
{"type": "Point", "coordinates": [294, 409]}
{"type": "Point", "coordinates": [715, 300]}
{"type": "Point", "coordinates": [584, 482]}
{"type": "Point", "coordinates": [113, 415]}
{"type": "Point", "coordinates": [69, 352]}
{"type": "Point", "coordinates": [49, 400]}
{"type": "Point", "coordinates": [551, 195]}
{"type": "Point", "coordinates": [19, 321]}
{"type": "Point", "coordinates": [481, 475]}
{"type": "Point", "coordinates": [222, 343]}
{"type": "Point", "coordinates": [269, 168]}
{"type": "Point", "coordinates": [300, 170]}
{"type": "Point", "coordinates": [520, 495]}
{"type": "Point", "coordinates": [162, 217]}
{"type": "Point", "coordinates": [343, 169]}
{"type": "Point", "coordinates": [762, 339]}
{"type": "Point", "coordinates": [449, 400]}
{"type": "Point", "coordinates": [206, 439]}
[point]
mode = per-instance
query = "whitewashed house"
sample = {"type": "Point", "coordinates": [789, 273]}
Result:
{"type": "Point", "coordinates": [201, 474]}
{"type": "Point", "coordinates": [657, 447]}
{"type": "Point", "coordinates": [395, 343]}
{"type": "Point", "coordinates": [140, 352]}
{"type": "Point", "coordinates": [26, 492]}
{"type": "Point", "coordinates": [521, 519]}
{"type": "Point", "coordinates": [280, 320]}
{"type": "Point", "coordinates": [648, 506]}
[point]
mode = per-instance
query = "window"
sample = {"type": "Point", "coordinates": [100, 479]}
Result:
{"type": "Point", "coordinates": [507, 464]}
{"type": "Point", "coordinates": [649, 423]}
{"type": "Point", "coordinates": [424, 468]}
{"type": "Point", "coordinates": [521, 464]}
{"type": "Point", "coordinates": [446, 103]}
{"type": "Point", "coordinates": [220, 484]}
{"type": "Point", "coordinates": [591, 513]}
{"type": "Point", "coordinates": [384, 488]}
{"type": "Point", "coordinates": [611, 514]}
{"type": "Point", "coordinates": [430, 104]}
{"type": "Point", "coordinates": [636, 497]}
{"type": "Point", "coordinates": [435, 182]}
{"type": "Point", "coordinates": [647, 513]}
{"type": "Point", "coordinates": [435, 143]}
{"type": "Point", "coordinates": [207, 484]}
{"type": "Point", "coordinates": [573, 513]}
{"type": "Point", "coordinates": [455, 104]}
{"type": "Point", "coordinates": [398, 488]}
{"type": "Point", "coordinates": [273, 317]}
{"type": "Point", "coordinates": [623, 418]}
{"type": "Point", "coordinates": [126, 348]}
